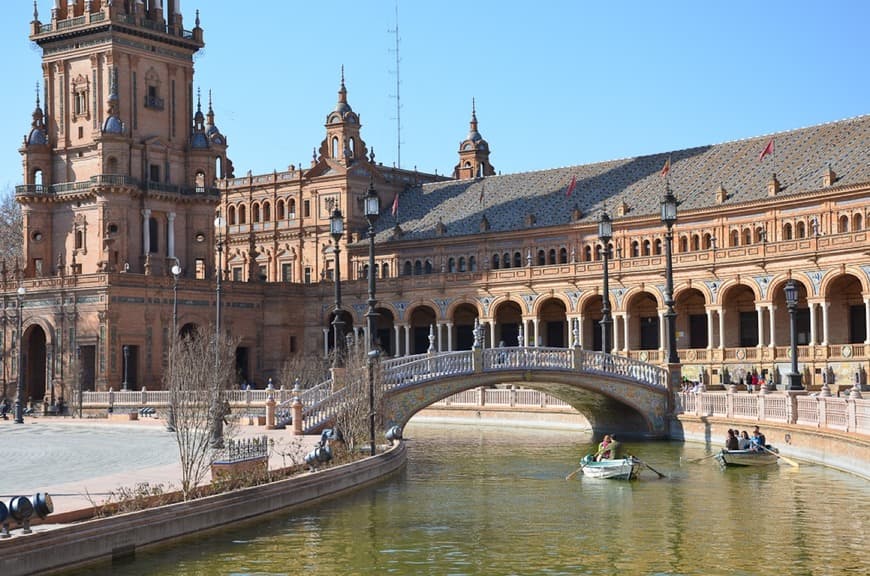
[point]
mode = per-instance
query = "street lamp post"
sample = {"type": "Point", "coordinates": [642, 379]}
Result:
{"type": "Point", "coordinates": [336, 229]}
{"type": "Point", "coordinates": [791, 301]}
{"type": "Point", "coordinates": [19, 397]}
{"type": "Point", "coordinates": [176, 272]}
{"type": "Point", "coordinates": [372, 211]}
{"type": "Point", "coordinates": [219, 223]}
{"type": "Point", "coordinates": [605, 233]}
{"type": "Point", "coordinates": [80, 374]}
{"type": "Point", "coordinates": [669, 217]}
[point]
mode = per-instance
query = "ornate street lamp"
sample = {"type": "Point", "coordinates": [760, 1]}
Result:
{"type": "Point", "coordinates": [669, 217]}
{"type": "Point", "coordinates": [605, 233]}
{"type": "Point", "coordinates": [336, 229]}
{"type": "Point", "coordinates": [791, 301]}
{"type": "Point", "coordinates": [126, 350]}
{"type": "Point", "coordinates": [176, 272]}
{"type": "Point", "coordinates": [372, 211]}
{"type": "Point", "coordinates": [19, 397]}
{"type": "Point", "coordinates": [217, 426]}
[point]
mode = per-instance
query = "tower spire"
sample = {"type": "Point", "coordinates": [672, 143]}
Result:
{"type": "Point", "coordinates": [342, 91]}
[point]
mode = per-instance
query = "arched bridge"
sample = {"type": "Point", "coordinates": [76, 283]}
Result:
{"type": "Point", "coordinates": [613, 392]}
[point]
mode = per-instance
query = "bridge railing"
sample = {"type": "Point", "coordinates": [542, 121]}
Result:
{"type": "Point", "coordinates": [427, 367]}
{"type": "Point", "coordinates": [831, 413]}
{"type": "Point", "coordinates": [528, 358]}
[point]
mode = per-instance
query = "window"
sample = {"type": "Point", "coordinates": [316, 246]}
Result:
{"type": "Point", "coordinates": [255, 213]}
{"type": "Point", "coordinates": [385, 270]}
{"type": "Point", "coordinates": [306, 209]}
{"type": "Point", "coordinates": [243, 216]}
{"type": "Point", "coordinates": [646, 248]}
{"type": "Point", "coordinates": [684, 244]}
{"type": "Point", "coordinates": [286, 272]}
{"type": "Point", "coordinates": [495, 261]}
{"type": "Point", "coordinates": [518, 260]}
{"type": "Point", "coordinates": [506, 260]}
{"type": "Point", "coordinates": [407, 269]}
{"type": "Point", "coordinates": [747, 236]}
{"type": "Point", "coordinates": [153, 238]}
{"type": "Point", "coordinates": [735, 238]}
{"type": "Point", "coordinates": [335, 150]}
{"type": "Point", "coordinates": [199, 267]}
{"type": "Point", "coordinates": [856, 222]}
{"type": "Point", "coordinates": [542, 259]}
{"type": "Point", "coordinates": [152, 98]}
{"type": "Point", "coordinates": [551, 256]}
{"type": "Point", "coordinates": [418, 268]}
{"type": "Point", "coordinates": [635, 249]}
{"type": "Point", "coordinates": [79, 240]}
{"type": "Point", "coordinates": [587, 253]}
{"type": "Point", "coordinates": [462, 264]}
{"type": "Point", "coordinates": [658, 247]}
{"type": "Point", "coordinates": [428, 267]}
{"type": "Point", "coordinates": [154, 173]}
{"type": "Point", "coordinates": [264, 276]}
{"type": "Point", "coordinates": [279, 210]}
{"type": "Point", "coordinates": [843, 224]}
{"type": "Point", "coordinates": [231, 215]}
{"type": "Point", "coordinates": [563, 255]}
{"type": "Point", "coordinates": [696, 242]}
{"type": "Point", "coordinates": [801, 229]}
{"type": "Point", "coordinates": [267, 212]}
{"type": "Point", "coordinates": [786, 231]}
{"type": "Point", "coordinates": [37, 266]}
{"type": "Point", "coordinates": [472, 264]}
{"type": "Point", "coordinates": [308, 274]}
{"type": "Point", "coordinates": [291, 208]}
{"type": "Point", "coordinates": [451, 265]}
{"type": "Point", "coordinates": [237, 273]}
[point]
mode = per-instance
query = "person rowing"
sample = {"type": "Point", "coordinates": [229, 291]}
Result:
{"type": "Point", "coordinates": [607, 448]}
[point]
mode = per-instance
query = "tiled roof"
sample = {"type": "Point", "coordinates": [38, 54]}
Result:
{"type": "Point", "coordinates": [801, 159]}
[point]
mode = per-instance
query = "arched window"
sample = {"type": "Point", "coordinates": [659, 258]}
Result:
{"type": "Point", "coordinates": [472, 264]}
{"type": "Point", "coordinates": [112, 167]}
{"type": "Point", "coordinates": [856, 223]}
{"type": "Point", "coordinates": [646, 248]}
{"type": "Point", "coordinates": [747, 236]}
{"type": "Point", "coordinates": [658, 247]}
{"type": "Point", "coordinates": [267, 212]}
{"type": "Point", "coordinates": [279, 210]}
{"type": "Point", "coordinates": [451, 265]}
{"type": "Point", "coordinates": [518, 260]}
{"type": "Point", "coordinates": [385, 270]}
{"type": "Point", "coordinates": [801, 229]}
{"type": "Point", "coordinates": [462, 263]}
{"type": "Point", "coordinates": [364, 271]}
{"type": "Point", "coordinates": [843, 224]}
{"type": "Point", "coordinates": [37, 175]}
{"type": "Point", "coordinates": [598, 251]}
{"type": "Point", "coordinates": [218, 167]}
{"type": "Point", "coordinates": [786, 231]}
{"type": "Point", "coordinates": [479, 170]}
{"type": "Point", "coordinates": [551, 256]}
{"type": "Point", "coordinates": [427, 268]}
{"type": "Point", "coordinates": [255, 213]}
{"type": "Point", "coordinates": [335, 149]}
{"type": "Point", "coordinates": [80, 240]}
{"type": "Point", "coordinates": [408, 268]}
{"type": "Point", "coordinates": [684, 244]}
{"type": "Point", "coordinates": [231, 215]}
{"type": "Point", "coordinates": [563, 255]}
{"type": "Point", "coordinates": [760, 234]}
{"type": "Point", "coordinates": [587, 253]}
{"type": "Point", "coordinates": [542, 258]}
{"type": "Point", "coordinates": [351, 146]}
{"type": "Point", "coordinates": [198, 180]}
{"type": "Point", "coordinates": [708, 241]}
{"type": "Point", "coordinates": [696, 242]}
{"type": "Point", "coordinates": [418, 268]}
{"type": "Point", "coordinates": [506, 260]}
{"type": "Point", "coordinates": [635, 249]}
{"type": "Point", "coordinates": [495, 261]}
{"type": "Point", "coordinates": [291, 208]}
{"type": "Point", "coordinates": [735, 238]}
{"type": "Point", "coordinates": [243, 218]}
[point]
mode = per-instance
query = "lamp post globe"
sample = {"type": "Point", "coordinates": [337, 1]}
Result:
{"type": "Point", "coordinates": [336, 229]}
{"type": "Point", "coordinates": [19, 395]}
{"type": "Point", "coordinates": [605, 234]}
{"type": "Point", "coordinates": [669, 218]}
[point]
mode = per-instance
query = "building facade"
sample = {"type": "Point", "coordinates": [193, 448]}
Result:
{"type": "Point", "coordinates": [124, 177]}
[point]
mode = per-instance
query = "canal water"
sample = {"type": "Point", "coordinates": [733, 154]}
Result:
{"type": "Point", "coordinates": [495, 501]}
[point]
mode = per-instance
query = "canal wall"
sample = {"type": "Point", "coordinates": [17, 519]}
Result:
{"type": "Point", "coordinates": [121, 536]}
{"type": "Point", "coordinates": [526, 417]}
{"type": "Point", "coordinates": [846, 452]}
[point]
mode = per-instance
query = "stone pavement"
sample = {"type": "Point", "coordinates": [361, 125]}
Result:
{"type": "Point", "coordinates": [80, 494]}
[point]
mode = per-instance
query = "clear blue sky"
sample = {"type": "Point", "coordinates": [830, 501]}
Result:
{"type": "Point", "coordinates": [557, 83]}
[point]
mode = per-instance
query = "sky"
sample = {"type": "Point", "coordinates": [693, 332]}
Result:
{"type": "Point", "coordinates": [556, 82]}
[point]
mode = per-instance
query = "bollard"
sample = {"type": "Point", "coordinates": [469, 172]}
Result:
{"type": "Point", "coordinates": [297, 416]}
{"type": "Point", "coordinates": [270, 412]}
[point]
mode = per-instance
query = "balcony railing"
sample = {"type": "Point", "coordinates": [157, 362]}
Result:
{"type": "Point", "coordinates": [110, 180]}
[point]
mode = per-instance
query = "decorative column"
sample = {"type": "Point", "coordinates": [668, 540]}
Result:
{"type": "Point", "coordinates": [825, 332]}
{"type": "Point", "coordinates": [760, 312]}
{"type": "Point", "coordinates": [535, 325]}
{"type": "Point", "coordinates": [867, 321]}
{"type": "Point", "coordinates": [146, 231]}
{"type": "Point", "coordinates": [709, 328]}
{"type": "Point", "coordinates": [492, 341]}
{"type": "Point", "coordinates": [772, 326]}
{"type": "Point", "coordinates": [440, 337]}
{"type": "Point", "coordinates": [450, 336]}
{"type": "Point", "coordinates": [625, 332]}
{"type": "Point", "coordinates": [721, 328]}
{"type": "Point", "coordinates": [813, 332]}
{"type": "Point", "coordinates": [325, 342]}
{"type": "Point", "coordinates": [407, 339]}
{"type": "Point", "coordinates": [616, 332]}
{"type": "Point", "coordinates": [170, 241]}
{"type": "Point", "coordinates": [662, 333]}
{"type": "Point", "coordinates": [579, 338]}
{"type": "Point", "coordinates": [397, 338]}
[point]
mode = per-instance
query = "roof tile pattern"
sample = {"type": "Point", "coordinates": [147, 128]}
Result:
{"type": "Point", "coordinates": [800, 161]}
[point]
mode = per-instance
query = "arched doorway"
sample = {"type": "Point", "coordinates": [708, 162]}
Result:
{"type": "Point", "coordinates": [847, 322]}
{"type": "Point", "coordinates": [643, 323]}
{"type": "Point", "coordinates": [591, 328]}
{"type": "Point", "coordinates": [463, 324]}
{"type": "Point", "coordinates": [507, 317]}
{"type": "Point", "coordinates": [33, 363]}
{"type": "Point", "coordinates": [739, 317]}
{"type": "Point", "coordinates": [384, 323]}
{"type": "Point", "coordinates": [345, 317]}
{"type": "Point", "coordinates": [422, 318]}
{"type": "Point", "coordinates": [692, 317]}
{"type": "Point", "coordinates": [553, 323]}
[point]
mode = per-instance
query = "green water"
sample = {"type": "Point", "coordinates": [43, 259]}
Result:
{"type": "Point", "coordinates": [495, 501]}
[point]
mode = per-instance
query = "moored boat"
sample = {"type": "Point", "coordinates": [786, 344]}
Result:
{"type": "Point", "coordinates": [619, 469]}
{"type": "Point", "coordinates": [747, 457]}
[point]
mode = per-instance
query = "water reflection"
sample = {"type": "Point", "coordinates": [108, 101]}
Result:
{"type": "Point", "coordinates": [487, 501]}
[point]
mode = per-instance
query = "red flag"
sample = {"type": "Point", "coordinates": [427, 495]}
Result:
{"type": "Point", "coordinates": [666, 168]}
{"type": "Point", "coordinates": [571, 187]}
{"type": "Point", "coordinates": [395, 204]}
{"type": "Point", "coordinates": [767, 150]}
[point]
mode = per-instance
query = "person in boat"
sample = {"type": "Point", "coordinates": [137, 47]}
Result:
{"type": "Point", "coordinates": [607, 448]}
{"type": "Point", "coordinates": [743, 442]}
{"type": "Point", "coordinates": [761, 436]}
{"type": "Point", "coordinates": [731, 443]}
{"type": "Point", "coordinates": [757, 442]}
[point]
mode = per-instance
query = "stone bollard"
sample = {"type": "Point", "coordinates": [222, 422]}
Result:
{"type": "Point", "coordinates": [270, 412]}
{"type": "Point", "coordinates": [297, 416]}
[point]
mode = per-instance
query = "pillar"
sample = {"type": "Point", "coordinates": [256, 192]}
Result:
{"type": "Point", "coordinates": [662, 334]}
{"type": "Point", "coordinates": [450, 336]}
{"type": "Point", "coordinates": [492, 341]}
{"type": "Point", "coordinates": [760, 312]}
{"type": "Point", "coordinates": [397, 339]}
{"type": "Point", "coordinates": [170, 235]}
{"type": "Point", "coordinates": [771, 308]}
{"type": "Point", "coordinates": [625, 319]}
{"type": "Point", "coordinates": [535, 324]}
{"type": "Point", "coordinates": [407, 339]}
{"type": "Point", "coordinates": [721, 328]}
{"type": "Point", "coordinates": [813, 331]}
{"type": "Point", "coordinates": [709, 329]}
{"type": "Point", "coordinates": [146, 231]}
{"type": "Point", "coordinates": [825, 332]}
{"type": "Point", "coordinates": [579, 331]}
{"type": "Point", "coordinates": [866, 322]}
{"type": "Point", "coordinates": [440, 325]}
{"type": "Point", "coordinates": [325, 342]}
{"type": "Point", "coordinates": [615, 344]}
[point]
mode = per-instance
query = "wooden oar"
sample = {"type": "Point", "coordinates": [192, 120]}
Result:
{"type": "Point", "coordinates": [575, 472]}
{"type": "Point", "coordinates": [651, 468]}
{"type": "Point", "coordinates": [781, 457]}
{"type": "Point", "coordinates": [692, 461]}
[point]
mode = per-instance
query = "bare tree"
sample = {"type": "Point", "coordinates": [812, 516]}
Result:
{"type": "Point", "coordinates": [352, 416]}
{"type": "Point", "coordinates": [10, 227]}
{"type": "Point", "coordinates": [201, 370]}
{"type": "Point", "coordinates": [310, 370]}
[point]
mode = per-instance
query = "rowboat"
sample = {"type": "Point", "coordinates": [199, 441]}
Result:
{"type": "Point", "coordinates": [747, 457]}
{"type": "Point", "coordinates": [619, 469]}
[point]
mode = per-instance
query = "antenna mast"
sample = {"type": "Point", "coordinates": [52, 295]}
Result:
{"type": "Point", "coordinates": [398, 94]}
